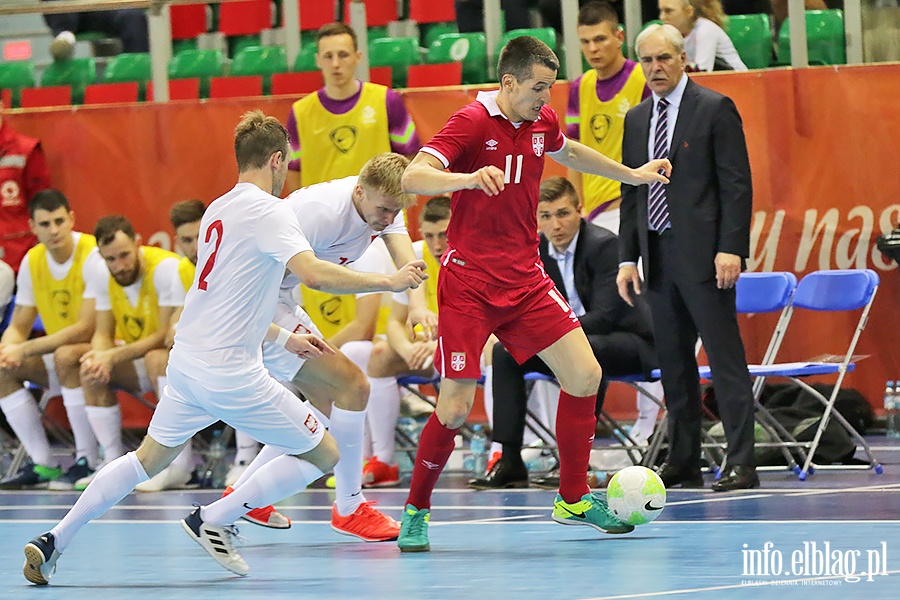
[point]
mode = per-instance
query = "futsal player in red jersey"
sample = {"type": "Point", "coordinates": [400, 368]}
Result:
{"type": "Point", "coordinates": [490, 155]}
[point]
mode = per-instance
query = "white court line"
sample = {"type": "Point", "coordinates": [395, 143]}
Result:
{"type": "Point", "coordinates": [516, 520]}
{"type": "Point", "coordinates": [781, 583]}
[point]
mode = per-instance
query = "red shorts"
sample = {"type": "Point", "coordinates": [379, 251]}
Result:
{"type": "Point", "coordinates": [526, 320]}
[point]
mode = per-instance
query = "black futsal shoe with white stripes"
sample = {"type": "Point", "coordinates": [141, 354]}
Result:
{"type": "Point", "coordinates": [217, 540]}
{"type": "Point", "coordinates": [40, 559]}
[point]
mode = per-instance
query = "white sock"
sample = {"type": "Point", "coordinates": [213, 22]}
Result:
{"type": "Point", "coordinates": [280, 478]}
{"type": "Point", "coordinates": [381, 414]}
{"type": "Point", "coordinates": [648, 410]}
{"type": "Point", "coordinates": [185, 458]}
{"type": "Point", "coordinates": [106, 421]}
{"type": "Point", "coordinates": [85, 440]}
{"type": "Point", "coordinates": [247, 448]}
{"type": "Point", "coordinates": [24, 416]}
{"type": "Point", "coordinates": [348, 429]}
{"type": "Point", "coordinates": [489, 394]}
{"type": "Point", "coordinates": [111, 483]}
{"type": "Point", "coordinates": [267, 454]}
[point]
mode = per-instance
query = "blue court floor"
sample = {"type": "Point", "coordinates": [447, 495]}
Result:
{"type": "Point", "coordinates": [836, 535]}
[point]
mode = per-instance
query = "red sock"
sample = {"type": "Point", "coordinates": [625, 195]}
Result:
{"type": "Point", "coordinates": [435, 446]}
{"type": "Point", "coordinates": [575, 426]}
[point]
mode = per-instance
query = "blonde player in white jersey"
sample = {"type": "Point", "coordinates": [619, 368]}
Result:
{"type": "Point", "coordinates": [215, 369]}
{"type": "Point", "coordinates": [340, 219]}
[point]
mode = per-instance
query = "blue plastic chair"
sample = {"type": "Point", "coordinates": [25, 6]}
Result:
{"type": "Point", "coordinates": [827, 291]}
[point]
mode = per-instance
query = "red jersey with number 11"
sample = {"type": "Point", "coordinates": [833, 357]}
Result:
{"type": "Point", "coordinates": [495, 238]}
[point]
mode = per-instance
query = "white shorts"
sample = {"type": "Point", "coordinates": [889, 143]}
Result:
{"type": "Point", "coordinates": [260, 407]}
{"type": "Point", "coordinates": [53, 387]}
{"type": "Point", "coordinates": [284, 365]}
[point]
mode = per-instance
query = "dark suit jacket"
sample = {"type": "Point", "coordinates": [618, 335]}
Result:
{"type": "Point", "coordinates": [710, 192]}
{"type": "Point", "coordinates": [595, 269]}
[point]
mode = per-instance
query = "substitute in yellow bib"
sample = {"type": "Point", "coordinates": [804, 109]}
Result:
{"type": "Point", "coordinates": [137, 291]}
{"type": "Point", "coordinates": [598, 101]}
{"type": "Point", "coordinates": [334, 131]}
{"type": "Point", "coordinates": [185, 217]}
{"type": "Point", "coordinates": [51, 286]}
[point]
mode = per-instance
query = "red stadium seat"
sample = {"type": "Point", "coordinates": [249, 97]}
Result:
{"type": "Point", "coordinates": [6, 98]}
{"type": "Point", "coordinates": [188, 21]}
{"type": "Point", "coordinates": [436, 75]}
{"type": "Point", "coordinates": [380, 75]}
{"type": "Point", "coordinates": [432, 11]}
{"type": "Point", "coordinates": [378, 12]}
{"type": "Point", "coordinates": [244, 18]}
{"type": "Point", "coordinates": [179, 89]}
{"type": "Point", "coordinates": [296, 83]}
{"type": "Point", "coordinates": [235, 87]}
{"type": "Point", "coordinates": [315, 14]}
{"type": "Point", "coordinates": [111, 93]}
{"type": "Point", "coordinates": [57, 95]}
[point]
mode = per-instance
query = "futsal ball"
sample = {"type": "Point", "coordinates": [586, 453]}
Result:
{"type": "Point", "coordinates": [636, 495]}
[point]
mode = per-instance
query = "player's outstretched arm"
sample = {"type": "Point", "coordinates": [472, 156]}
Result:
{"type": "Point", "coordinates": [328, 277]}
{"type": "Point", "coordinates": [426, 175]}
{"type": "Point", "coordinates": [304, 345]}
{"type": "Point", "coordinates": [579, 157]}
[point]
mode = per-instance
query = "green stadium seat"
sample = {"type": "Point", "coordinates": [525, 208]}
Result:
{"type": "Point", "coordinates": [377, 33]}
{"type": "Point", "coordinates": [468, 48]}
{"type": "Point", "coordinates": [824, 38]}
{"type": "Point", "coordinates": [752, 38]}
{"type": "Point", "coordinates": [15, 75]}
{"type": "Point", "coordinates": [239, 42]}
{"type": "Point", "coordinates": [260, 60]}
{"type": "Point", "coordinates": [306, 59]}
{"type": "Point", "coordinates": [545, 34]}
{"type": "Point", "coordinates": [432, 31]}
{"type": "Point", "coordinates": [130, 67]}
{"type": "Point", "coordinates": [396, 53]}
{"type": "Point", "coordinates": [179, 46]}
{"type": "Point", "coordinates": [202, 64]}
{"type": "Point", "coordinates": [75, 72]}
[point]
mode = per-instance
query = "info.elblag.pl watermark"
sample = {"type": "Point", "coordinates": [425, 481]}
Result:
{"type": "Point", "coordinates": [812, 563]}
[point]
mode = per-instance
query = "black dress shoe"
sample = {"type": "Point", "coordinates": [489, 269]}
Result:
{"type": "Point", "coordinates": [686, 477]}
{"type": "Point", "coordinates": [738, 477]}
{"type": "Point", "coordinates": [550, 481]}
{"type": "Point", "coordinates": [504, 474]}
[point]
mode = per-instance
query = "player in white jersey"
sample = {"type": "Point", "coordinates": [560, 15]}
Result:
{"type": "Point", "coordinates": [340, 219]}
{"type": "Point", "coordinates": [215, 372]}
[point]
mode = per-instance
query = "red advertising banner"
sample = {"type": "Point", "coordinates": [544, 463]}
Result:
{"type": "Point", "coordinates": [822, 148]}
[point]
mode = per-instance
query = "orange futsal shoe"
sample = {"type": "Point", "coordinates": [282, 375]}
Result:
{"type": "Point", "coordinates": [377, 474]}
{"type": "Point", "coordinates": [366, 523]}
{"type": "Point", "coordinates": [266, 516]}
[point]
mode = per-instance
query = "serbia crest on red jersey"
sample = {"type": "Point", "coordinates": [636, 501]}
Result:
{"type": "Point", "coordinates": [537, 143]}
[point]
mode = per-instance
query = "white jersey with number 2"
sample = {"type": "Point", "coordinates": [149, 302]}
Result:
{"type": "Point", "coordinates": [246, 238]}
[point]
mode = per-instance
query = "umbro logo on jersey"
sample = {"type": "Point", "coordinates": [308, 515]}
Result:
{"type": "Point", "coordinates": [432, 466]}
{"type": "Point", "coordinates": [491, 144]}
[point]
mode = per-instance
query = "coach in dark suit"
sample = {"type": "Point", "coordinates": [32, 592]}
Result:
{"type": "Point", "coordinates": [693, 235]}
{"type": "Point", "coordinates": [582, 259]}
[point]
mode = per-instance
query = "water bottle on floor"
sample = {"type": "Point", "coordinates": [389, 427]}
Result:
{"type": "Point", "coordinates": [478, 447]}
{"type": "Point", "coordinates": [216, 469]}
{"type": "Point", "coordinates": [892, 410]}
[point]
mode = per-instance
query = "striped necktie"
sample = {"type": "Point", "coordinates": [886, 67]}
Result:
{"type": "Point", "coordinates": [657, 206]}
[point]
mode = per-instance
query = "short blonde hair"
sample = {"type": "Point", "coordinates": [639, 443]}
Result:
{"type": "Point", "coordinates": [383, 172]}
{"type": "Point", "coordinates": [256, 138]}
